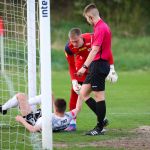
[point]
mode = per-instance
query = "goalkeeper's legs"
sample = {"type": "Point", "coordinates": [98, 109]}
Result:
{"type": "Point", "coordinates": [73, 100]}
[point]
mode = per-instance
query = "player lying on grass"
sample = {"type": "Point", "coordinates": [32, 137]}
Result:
{"type": "Point", "coordinates": [33, 121]}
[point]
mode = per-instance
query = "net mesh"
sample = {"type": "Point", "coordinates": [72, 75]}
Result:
{"type": "Point", "coordinates": [13, 72]}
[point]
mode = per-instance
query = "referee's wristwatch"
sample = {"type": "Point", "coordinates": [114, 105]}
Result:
{"type": "Point", "coordinates": [84, 66]}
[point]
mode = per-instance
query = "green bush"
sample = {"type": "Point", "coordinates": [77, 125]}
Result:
{"type": "Point", "coordinates": [129, 54]}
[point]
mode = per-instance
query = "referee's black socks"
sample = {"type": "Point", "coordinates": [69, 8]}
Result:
{"type": "Point", "coordinates": [99, 108]}
{"type": "Point", "coordinates": [101, 112]}
{"type": "Point", "coordinates": [91, 104]}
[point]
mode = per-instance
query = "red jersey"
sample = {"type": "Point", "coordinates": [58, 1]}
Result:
{"type": "Point", "coordinates": [1, 26]}
{"type": "Point", "coordinates": [77, 56]}
{"type": "Point", "coordinates": [102, 38]}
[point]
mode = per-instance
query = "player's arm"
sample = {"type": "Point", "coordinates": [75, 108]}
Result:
{"type": "Point", "coordinates": [72, 68]}
{"type": "Point", "coordinates": [73, 113]}
{"type": "Point", "coordinates": [97, 42]}
{"type": "Point", "coordinates": [112, 76]}
{"type": "Point", "coordinates": [111, 59]}
{"type": "Point", "coordinates": [53, 103]}
{"type": "Point", "coordinates": [88, 61]}
{"type": "Point", "coordinates": [78, 106]}
{"type": "Point", "coordinates": [27, 125]}
{"type": "Point", "coordinates": [71, 62]}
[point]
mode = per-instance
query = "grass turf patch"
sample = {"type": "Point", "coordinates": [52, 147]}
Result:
{"type": "Point", "coordinates": [127, 108]}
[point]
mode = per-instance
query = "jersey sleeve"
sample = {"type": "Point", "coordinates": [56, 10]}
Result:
{"type": "Point", "coordinates": [72, 114]}
{"type": "Point", "coordinates": [98, 37]}
{"type": "Point", "coordinates": [111, 59]}
{"type": "Point", "coordinates": [71, 62]}
{"type": "Point", "coordinates": [97, 41]}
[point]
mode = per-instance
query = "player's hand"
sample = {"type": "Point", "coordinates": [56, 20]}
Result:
{"type": "Point", "coordinates": [76, 86]}
{"type": "Point", "coordinates": [112, 76]}
{"type": "Point", "coordinates": [19, 118]}
{"type": "Point", "coordinates": [81, 71]}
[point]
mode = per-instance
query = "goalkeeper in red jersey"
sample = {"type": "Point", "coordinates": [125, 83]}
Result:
{"type": "Point", "coordinates": [76, 51]}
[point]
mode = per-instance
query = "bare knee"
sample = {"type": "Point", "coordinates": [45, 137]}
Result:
{"type": "Point", "coordinates": [21, 97]}
{"type": "Point", "coordinates": [99, 96]}
{"type": "Point", "coordinates": [85, 91]}
{"type": "Point", "coordinates": [84, 95]}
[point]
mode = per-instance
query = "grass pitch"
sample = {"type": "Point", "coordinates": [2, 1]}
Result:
{"type": "Point", "coordinates": [128, 108]}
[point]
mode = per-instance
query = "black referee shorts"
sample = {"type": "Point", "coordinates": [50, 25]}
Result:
{"type": "Point", "coordinates": [98, 71]}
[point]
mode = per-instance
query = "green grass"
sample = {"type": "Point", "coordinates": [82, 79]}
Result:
{"type": "Point", "coordinates": [127, 108]}
{"type": "Point", "coordinates": [129, 54]}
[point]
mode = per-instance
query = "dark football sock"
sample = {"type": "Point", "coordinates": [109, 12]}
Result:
{"type": "Point", "coordinates": [91, 104]}
{"type": "Point", "coordinates": [101, 112]}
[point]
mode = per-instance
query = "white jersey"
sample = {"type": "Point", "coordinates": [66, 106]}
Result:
{"type": "Point", "coordinates": [58, 123]}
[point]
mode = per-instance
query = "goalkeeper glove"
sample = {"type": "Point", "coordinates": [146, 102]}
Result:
{"type": "Point", "coordinates": [112, 76]}
{"type": "Point", "coordinates": [76, 86]}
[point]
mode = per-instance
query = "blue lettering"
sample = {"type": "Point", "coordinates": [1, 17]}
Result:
{"type": "Point", "coordinates": [44, 9]}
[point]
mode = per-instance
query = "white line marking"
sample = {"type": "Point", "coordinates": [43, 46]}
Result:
{"type": "Point", "coordinates": [131, 114]}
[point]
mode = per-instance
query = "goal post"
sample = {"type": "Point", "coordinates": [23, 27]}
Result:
{"type": "Point", "coordinates": [2, 44]}
{"type": "Point", "coordinates": [20, 52]}
{"type": "Point", "coordinates": [45, 57]}
{"type": "Point", "coordinates": [31, 42]}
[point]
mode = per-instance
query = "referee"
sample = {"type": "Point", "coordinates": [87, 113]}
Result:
{"type": "Point", "coordinates": [97, 63]}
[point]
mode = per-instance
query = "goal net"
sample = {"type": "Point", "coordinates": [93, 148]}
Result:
{"type": "Point", "coordinates": [16, 72]}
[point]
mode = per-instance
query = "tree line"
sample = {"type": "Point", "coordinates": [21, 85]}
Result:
{"type": "Point", "coordinates": [130, 17]}
{"type": "Point", "coordinates": [127, 17]}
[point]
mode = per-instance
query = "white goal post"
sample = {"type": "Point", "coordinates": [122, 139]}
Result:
{"type": "Point", "coordinates": [2, 44]}
{"type": "Point", "coordinates": [46, 90]}
{"type": "Point", "coordinates": [31, 42]}
{"type": "Point", "coordinates": [25, 45]}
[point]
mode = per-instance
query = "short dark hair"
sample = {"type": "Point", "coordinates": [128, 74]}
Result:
{"type": "Point", "coordinates": [61, 105]}
{"type": "Point", "coordinates": [88, 8]}
{"type": "Point", "coordinates": [74, 31]}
